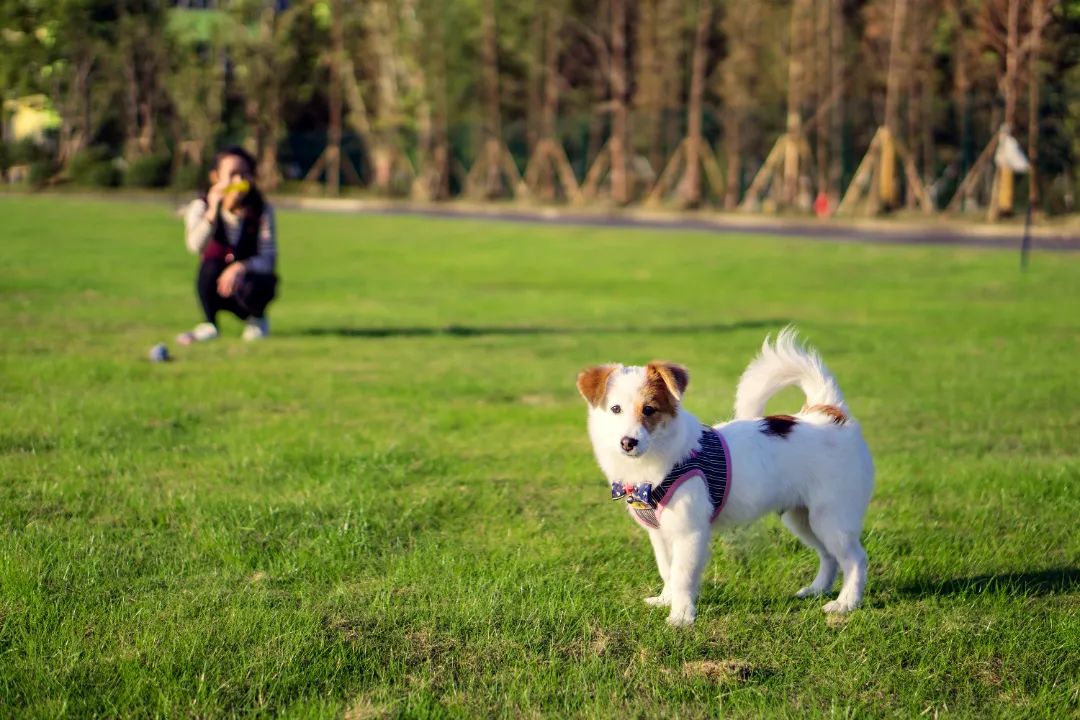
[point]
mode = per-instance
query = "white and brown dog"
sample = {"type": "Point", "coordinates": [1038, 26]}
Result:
{"type": "Point", "coordinates": [683, 480]}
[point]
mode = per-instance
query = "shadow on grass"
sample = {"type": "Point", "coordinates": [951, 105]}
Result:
{"type": "Point", "coordinates": [1017, 585]}
{"type": "Point", "coordinates": [1028, 584]}
{"type": "Point", "coordinates": [486, 330]}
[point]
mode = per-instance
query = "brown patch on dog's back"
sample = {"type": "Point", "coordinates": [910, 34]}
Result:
{"type": "Point", "coordinates": [835, 414]}
{"type": "Point", "coordinates": [592, 383]}
{"type": "Point", "coordinates": [778, 425]}
{"type": "Point", "coordinates": [657, 395]}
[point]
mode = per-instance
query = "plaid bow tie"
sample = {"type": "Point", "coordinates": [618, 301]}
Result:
{"type": "Point", "coordinates": [637, 496]}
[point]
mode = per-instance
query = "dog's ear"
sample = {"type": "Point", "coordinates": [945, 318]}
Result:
{"type": "Point", "coordinates": [592, 383]}
{"type": "Point", "coordinates": [675, 377]}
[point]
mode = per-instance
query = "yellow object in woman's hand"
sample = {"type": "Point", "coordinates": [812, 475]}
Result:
{"type": "Point", "coordinates": [239, 186]}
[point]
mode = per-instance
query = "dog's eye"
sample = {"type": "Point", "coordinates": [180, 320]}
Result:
{"type": "Point", "coordinates": [616, 409]}
{"type": "Point", "coordinates": [648, 410]}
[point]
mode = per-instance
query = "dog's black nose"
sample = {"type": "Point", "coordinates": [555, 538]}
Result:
{"type": "Point", "coordinates": [628, 443]}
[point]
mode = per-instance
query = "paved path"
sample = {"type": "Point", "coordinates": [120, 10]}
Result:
{"type": "Point", "coordinates": [1006, 237]}
{"type": "Point", "coordinates": [890, 231]}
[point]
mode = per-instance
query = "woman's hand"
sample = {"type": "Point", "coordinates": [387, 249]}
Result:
{"type": "Point", "coordinates": [230, 278]}
{"type": "Point", "coordinates": [214, 196]}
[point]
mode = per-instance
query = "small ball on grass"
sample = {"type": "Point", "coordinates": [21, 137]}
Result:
{"type": "Point", "coordinates": [159, 353]}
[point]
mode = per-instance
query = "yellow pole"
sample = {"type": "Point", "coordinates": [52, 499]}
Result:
{"type": "Point", "coordinates": [888, 169]}
{"type": "Point", "coordinates": [1005, 190]}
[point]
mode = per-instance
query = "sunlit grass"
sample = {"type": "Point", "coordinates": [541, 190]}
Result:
{"type": "Point", "coordinates": [390, 507]}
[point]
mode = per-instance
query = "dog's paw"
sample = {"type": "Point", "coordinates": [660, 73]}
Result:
{"type": "Point", "coordinates": [839, 606]}
{"type": "Point", "coordinates": [681, 617]}
{"type": "Point", "coordinates": [658, 601]}
{"type": "Point", "coordinates": [810, 592]}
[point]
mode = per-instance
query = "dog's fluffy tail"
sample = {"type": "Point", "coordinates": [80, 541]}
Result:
{"type": "Point", "coordinates": [779, 365]}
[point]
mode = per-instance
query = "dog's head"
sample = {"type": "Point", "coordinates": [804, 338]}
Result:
{"type": "Point", "coordinates": [630, 406]}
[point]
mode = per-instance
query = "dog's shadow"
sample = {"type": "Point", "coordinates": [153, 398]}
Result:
{"type": "Point", "coordinates": [1014, 584]}
{"type": "Point", "coordinates": [1036, 583]}
{"type": "Point", "coordinates": [466, 331]}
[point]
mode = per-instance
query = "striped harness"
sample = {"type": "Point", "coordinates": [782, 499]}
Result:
{"type": "Point", "coordinates": [711, 463]}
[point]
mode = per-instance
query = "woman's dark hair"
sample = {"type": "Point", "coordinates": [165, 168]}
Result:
{"type": "Point", "coordinates": [236, 151]}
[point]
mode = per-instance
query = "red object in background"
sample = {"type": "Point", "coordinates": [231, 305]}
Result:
{"type": "Point", "coordinates": [822, 205]}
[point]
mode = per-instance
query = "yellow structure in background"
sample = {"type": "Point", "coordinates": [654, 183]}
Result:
{"type": "Point", "coordinates": [1005, 190]}
{"type": "Point", "coordinates": [1010, 160]}
{"type": "Point", "coordinates": [28, 118]}
{"type": "Point", "coordinates": [889, 192]}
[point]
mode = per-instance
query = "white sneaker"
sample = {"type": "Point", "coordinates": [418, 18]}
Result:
{"type": "Point", "coordinates": [201, 332]}
{"type": "Point", "coordinates": [256, 329]}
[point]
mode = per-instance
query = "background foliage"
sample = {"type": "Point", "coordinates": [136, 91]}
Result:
{"type": "Point", "coordinates": [177, 80]}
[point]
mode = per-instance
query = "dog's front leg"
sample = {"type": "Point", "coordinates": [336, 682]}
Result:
{"type": "Point", "coordinates": [663, 563]}
{"type": "Point", "coordinates": [689, 553]}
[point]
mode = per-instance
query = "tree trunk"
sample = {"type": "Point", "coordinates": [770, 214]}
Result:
{"type": "Point", "coordinates": [915, 50]}
{"type": "Point", "coordinates": [961, 89]}
{"type": "Point", "coordinates": [893, 79]}
{"type": "Point", "coordinates": [822, 56]}
{"type": "Point", "coordinates": [333, 132]}
{"type": "Point", "coordinates": [928, 169]}
{"type": "Point", "coordinates": [601, 76]}
{"type": "Point", "coordinates": [596, 119]}
{"type": "Point", "coordinates": [886, 169]}
{"type": "Point", "coordinates": [440, 159]}
{"type": "Point", "coordinates": [1037, 21]}
{"type": "Point", "coordinates": [620, 181]}
{"type": "Point", "coordinates": [535, 83]}
{"type": "Point", "coordinates": [384, 136]}
{"type": "Point", "coordinates": [131, 108]}
{"type": "Point", "coordinates": [672, 20]}
{"type": "Point", "coordinates": [490, 60]}
{"type": "Point", "coordinates": [490, 179]}
{"type": "Point", "coordinates": [800, 12]}
{"type": "Point", "coordinates": [658, 81]}
{"type": "Point", "coordinates": [836, 114]}
{"type": "Point", "coordinates": [914, 109]}
{"type": "Point", "coordinates": [648, 100]}
{"type": "Point", "coordinates": [549, 113]}
{"type": "Point", "coordinates": [550, 104]}
{"type": "Point", "coordinates": [1001, 193]}
{"type": "Point", "coordinates": [76, 127]}
{"type": "Point", "coordinates": [269, 119]}
{"type": "Point", "coordinates": [1010, 81]}
{"type": "Point", "coordinates": [425, 123]}
{"type": "Point", "coordinates": [427, 31]}
{"type": "Point", "coordinates": [141, 73]}
{"type": "Point", "coordinates": [691, 188]}
{"type": "Point", "coordinates": [733, 152]}
{"type": "Point", "coordinates": [741, 27]}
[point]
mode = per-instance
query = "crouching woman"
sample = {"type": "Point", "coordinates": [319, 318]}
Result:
{"type": "Point", "coordinates": [232, 230]}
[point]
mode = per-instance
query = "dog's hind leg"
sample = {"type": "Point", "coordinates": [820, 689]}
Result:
{"type": "Point", "coordinates": [845, 546]}
{"type": "Point", "coordinates": [797, 521]}
{"type": "Point", "coordinates": [663, 564]}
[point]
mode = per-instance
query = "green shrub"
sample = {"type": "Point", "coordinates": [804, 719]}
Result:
{"type": "Point", "coordinates": [101, 175]}
{"type": "Point", "coordinates": [26, 152]}
{"type": "Point", "coordinates": [151, 171]}
{"type": "Point", "coordinates": [41, 171]}
{"type": "Point", "coordinates": [93, 168]}
{"type": "Point", "coordinates": [189, 177]}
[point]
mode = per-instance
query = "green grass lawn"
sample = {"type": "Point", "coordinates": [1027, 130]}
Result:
{"type": "Point", "coordinates": [390, 507]}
